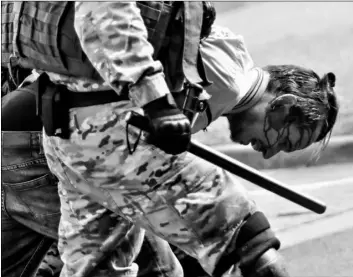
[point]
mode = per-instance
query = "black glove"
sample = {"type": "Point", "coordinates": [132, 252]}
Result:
{"type": "Point", "coordinates": [170, 128]}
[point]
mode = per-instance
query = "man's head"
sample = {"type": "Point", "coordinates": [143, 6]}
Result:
{"type": "Point", "coordinates": [297, 109]}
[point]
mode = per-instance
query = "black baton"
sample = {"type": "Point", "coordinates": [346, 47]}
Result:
{"type": "Point", "coordinates": [242, 170]}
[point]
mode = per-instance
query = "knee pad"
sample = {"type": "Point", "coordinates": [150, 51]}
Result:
{"type": "Point", "coordinates": [254, 238]}
{"type": "Point", "coordinates": [254, 225]}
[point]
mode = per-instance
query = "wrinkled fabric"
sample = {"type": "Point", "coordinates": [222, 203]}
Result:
{"type": "Point", "coordinates": [156, 259]}
{"type": "Point", "coordinates": [114, 38]}
{"type": "Point", "coordinates": [51, 264]}
{"type": "Point", "coordinates": [229, 65]}
{"type": "Point", "coordinates": [183, 199]}
{"type": "Point", "coordinates": [31, 205]}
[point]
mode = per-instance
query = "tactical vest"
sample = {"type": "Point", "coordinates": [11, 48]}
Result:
{"type": "Point", "coordinates": [41, 35]}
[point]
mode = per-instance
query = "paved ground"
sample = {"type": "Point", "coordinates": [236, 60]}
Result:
{"type": "Point", "coordinates": [314, 245]}
{"type": "Point", "coordinates": [331, 184]}
{"type": "Point", "coordinates": [328, 256]}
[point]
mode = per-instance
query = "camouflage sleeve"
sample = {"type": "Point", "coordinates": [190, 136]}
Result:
{"type": "Point", "coordinates": [114, 38]}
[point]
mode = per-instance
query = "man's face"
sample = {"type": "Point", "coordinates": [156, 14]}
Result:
{"type": "Point", "coordinates": [258, 128]}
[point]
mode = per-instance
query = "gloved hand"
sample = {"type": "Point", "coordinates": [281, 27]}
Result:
{"type": "Point", "coordinates": [170, 128]}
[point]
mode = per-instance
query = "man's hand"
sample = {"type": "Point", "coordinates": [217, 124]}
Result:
{"type": "Point", "coordinates": [170, 128]}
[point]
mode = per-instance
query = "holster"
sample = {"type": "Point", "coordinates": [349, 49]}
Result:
{"type": "Point", "coordinates": [52, 108]}
{"type": "Point", "coordinates": [53, 103]}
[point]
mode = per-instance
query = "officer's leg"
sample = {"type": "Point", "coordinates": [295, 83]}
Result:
{"type": "Point", "coordinates": [88, 232]}
{"type": "Point", "coordinates": [156, 259]}
{"type": "Point", "coordinates": [187, 201]}
{"type": "Point", "coordinates": [93, 240]}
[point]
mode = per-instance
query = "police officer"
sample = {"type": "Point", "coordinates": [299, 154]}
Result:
{"type": "Point", "coordinates": [29, 125]}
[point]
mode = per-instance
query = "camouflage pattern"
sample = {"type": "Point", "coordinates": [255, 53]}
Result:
{"type": "Point", "coordinates": [114, 38]}
{"type": "Point", "coordinates": [183, 199]}
{"type": "Point", "coordinates": [93, 241]}
{"type": "Point", "coordinates": [51, 264]}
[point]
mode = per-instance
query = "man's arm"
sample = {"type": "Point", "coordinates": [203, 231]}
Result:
{"type": "Point", "coordinates": [114, 38]}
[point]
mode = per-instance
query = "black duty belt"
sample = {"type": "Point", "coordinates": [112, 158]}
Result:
{"type": "Point", "coordinates": [85, 99]}
{"type": "Point", "coordinates": [76, 99]}
{"type": "Point", "coordinates": [54, 101]}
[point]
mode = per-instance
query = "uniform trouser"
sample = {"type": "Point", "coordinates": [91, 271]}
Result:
{"type": "Point", "coordinates": [183, 199]}
{"type": "Point", "coordinates": [30, 210]}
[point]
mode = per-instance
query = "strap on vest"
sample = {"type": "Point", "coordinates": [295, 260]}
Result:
{"type": "Point", "coordinates": [159, 34]}
{"type": "Point", "coordinates": [192, 30]}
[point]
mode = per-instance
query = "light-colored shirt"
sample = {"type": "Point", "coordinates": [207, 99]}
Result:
{"type": "Point", "coordinates": [237, 84]}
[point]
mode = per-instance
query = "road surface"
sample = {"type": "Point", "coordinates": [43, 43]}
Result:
{"type": "Point", "coordinates": [328, 256]}
{"type": "Point", "coordinates": [332, 184]}
{"type": "Point", "coordinates": [314, 245]}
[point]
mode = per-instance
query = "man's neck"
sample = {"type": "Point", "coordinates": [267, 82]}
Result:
{"type": "Point", "coordinates": [259, 79]}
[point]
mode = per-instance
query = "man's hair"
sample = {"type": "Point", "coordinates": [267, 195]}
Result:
{"type": "Point", "coordinates": [316, 99]}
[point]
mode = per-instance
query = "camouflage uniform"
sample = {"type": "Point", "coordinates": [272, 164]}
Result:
{"type": "Point", "coordinates": [187, 201]}
{"type": "Point", "coordinates": [183, 199]}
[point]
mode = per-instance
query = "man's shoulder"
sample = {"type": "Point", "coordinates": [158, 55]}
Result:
{"type": "Point", "coordinates": [219, 31]}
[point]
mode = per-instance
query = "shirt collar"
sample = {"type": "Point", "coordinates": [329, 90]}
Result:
{"type": "Point", "coordinates": [254, 94]}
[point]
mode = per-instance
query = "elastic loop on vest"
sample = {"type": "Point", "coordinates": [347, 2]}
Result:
{"type": "Point", "coordinates": [45, 59]}
{"type": "Point", "coordinates": [40, 37]}
{"type": "Point", "coordinates": [17, 8]}
{"type": "Point", "coordinates": [5, 57]}
{"type": "Point", "coordinates": [31, 10]}
{"type": "Point", "coordinates": [7, 17]}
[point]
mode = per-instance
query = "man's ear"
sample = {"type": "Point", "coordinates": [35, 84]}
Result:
{"type": "Point", "coordinates": [282, 110]}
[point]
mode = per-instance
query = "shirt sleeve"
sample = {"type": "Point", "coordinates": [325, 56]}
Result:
{"type": "Point", "coordinates": [114, 38]}
{"type": "Point", "coordinates": [228, 65]}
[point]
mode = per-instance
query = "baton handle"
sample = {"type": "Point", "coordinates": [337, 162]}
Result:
{"type": "Point", "coordinates": [242, 170]}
